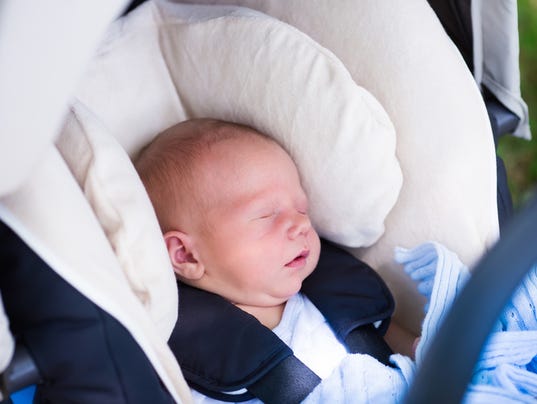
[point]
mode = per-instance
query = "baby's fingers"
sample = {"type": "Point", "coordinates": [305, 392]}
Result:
{"type": "Point", "coordinates": [420, 262]}
{"type": "Point", "coordinates": [426, 287]}
{"type": "Point", "coordinates": [403, 255]}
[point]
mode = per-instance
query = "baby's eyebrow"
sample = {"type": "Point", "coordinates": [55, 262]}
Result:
{"type": "Point", "coordinates": [257, 203]}
{"type": "Point", "coordinates": [254, 201]}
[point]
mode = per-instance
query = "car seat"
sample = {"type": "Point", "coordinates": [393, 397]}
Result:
{"type": "Point", "coordinates": [108, 106]}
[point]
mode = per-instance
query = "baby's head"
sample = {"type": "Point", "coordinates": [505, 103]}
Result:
{"type": "Point", "coordinates": [232, 210]}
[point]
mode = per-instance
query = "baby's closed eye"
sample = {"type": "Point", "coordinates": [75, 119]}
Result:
{"type": "Point", "coordinates": [303, 206]}
{"type": "Point", "coordinates": [266, 215]}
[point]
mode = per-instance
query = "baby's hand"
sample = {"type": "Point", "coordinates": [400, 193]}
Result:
{"type": "Point", "coordinates": [440, 276]}
{"type": "Point", "coordinates": [420, 264]}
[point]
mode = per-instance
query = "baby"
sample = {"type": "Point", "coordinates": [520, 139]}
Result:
{"type": "Point", "coordinates": [238, 227]}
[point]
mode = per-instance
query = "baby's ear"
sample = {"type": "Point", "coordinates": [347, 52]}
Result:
{"type": "Point", "coordinates": [182, 256]}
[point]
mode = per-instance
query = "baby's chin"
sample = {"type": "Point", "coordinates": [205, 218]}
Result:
{"type": "Point", "coordinates": [296, 289]}
{"type": "Point", "coordinates": [284, 296]}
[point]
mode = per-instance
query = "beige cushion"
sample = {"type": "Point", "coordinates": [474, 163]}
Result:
{"type": "Point", "coordinates": [165, 63]}
{"type": "Point", "coordinates": [116, 195]}
{"type": "Point", "coordinates": [399, 51]}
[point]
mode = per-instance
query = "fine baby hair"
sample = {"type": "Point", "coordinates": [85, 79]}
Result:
{"type": "Point", "coordinates": [167, 166]}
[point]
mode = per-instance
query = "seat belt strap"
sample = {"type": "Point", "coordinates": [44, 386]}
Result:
{"type": "Point", "coordinates": [289, 382]}
{"type": "Point", "coordinates": [366, 339]}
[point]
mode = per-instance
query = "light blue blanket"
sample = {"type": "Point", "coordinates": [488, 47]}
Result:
{"type": "Point", "coordinates": [506, 370]}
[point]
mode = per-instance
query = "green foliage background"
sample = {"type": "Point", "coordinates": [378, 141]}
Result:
{"type": "Point", "coordinates": [520, 156]}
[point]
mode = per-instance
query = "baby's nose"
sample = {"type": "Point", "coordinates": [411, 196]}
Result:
{"type": "Point", "coordinates": [300, 225]}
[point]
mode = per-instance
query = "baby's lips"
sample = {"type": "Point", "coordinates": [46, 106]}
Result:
{"type": "Point", "coordinates": [298, 259]}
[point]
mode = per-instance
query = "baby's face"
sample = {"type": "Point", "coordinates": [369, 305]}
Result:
{"type": "Point", "coordinates": [258, 243]}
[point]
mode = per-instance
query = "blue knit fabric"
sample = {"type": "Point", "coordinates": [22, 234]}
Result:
{"type": "Point", "coordinates": [506, 370]}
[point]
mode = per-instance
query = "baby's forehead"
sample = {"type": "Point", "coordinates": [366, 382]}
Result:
{"type": "Point", "coordinates": [246, 160]}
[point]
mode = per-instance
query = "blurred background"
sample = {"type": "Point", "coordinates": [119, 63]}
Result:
{"type": "Point", "coordinates": [520, 156]}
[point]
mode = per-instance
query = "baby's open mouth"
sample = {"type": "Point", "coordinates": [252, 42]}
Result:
{"type": "Point", "coordinates": [299, 260]}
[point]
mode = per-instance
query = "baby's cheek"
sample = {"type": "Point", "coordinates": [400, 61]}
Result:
{"type": "Point", "coordinates": [315, 246]}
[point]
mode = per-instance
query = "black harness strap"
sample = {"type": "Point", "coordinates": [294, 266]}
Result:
{"type": "Point", "coordinates": [289, 382]}
{"type": "Point", "coordinates": [221, 348]}
{"type": "Point", "coordinates": [366, 339]}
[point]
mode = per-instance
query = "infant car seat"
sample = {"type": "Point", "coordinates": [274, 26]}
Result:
{"type": "Point", "coordinates": [151, 71]}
